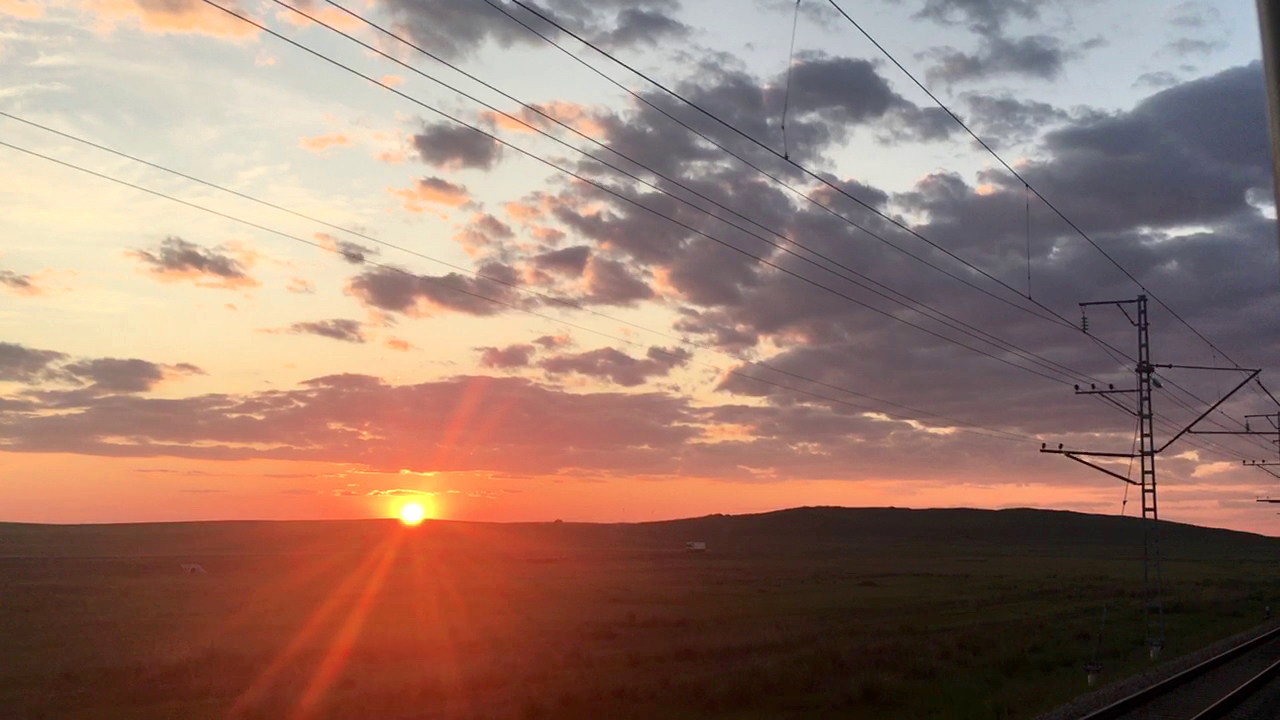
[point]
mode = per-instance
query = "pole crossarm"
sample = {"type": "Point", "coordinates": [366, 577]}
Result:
{"type": "Point", "coordinates": [1205, 367]}
{"type": "Point", "coordinates": [1258, 463]}
{"type": "Point", "coordinates": [1095, 466]}
{"type": "Point", "coordinates": [1108, 391]}
{"type": "Point", "coordinates": [1252, 374]}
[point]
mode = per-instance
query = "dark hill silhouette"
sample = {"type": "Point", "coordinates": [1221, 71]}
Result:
{"type": "Point", "coordinates": [798, 529]}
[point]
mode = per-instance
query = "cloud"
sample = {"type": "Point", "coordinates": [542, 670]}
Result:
{"type": "Point", "coordinates": [617, 367]}
{"type": "Point", "coordinates": [982, 16]}
{"type": "Point", "coordinates": [26, 365]}
{"type": "Point", "coordinates": [300, 286]}
{"type": "Point", "coordinates": [1009, 119]}
{"type": "Point", "coordinates": [609, 282]}
{"type": "Point", "coordinates": [1034, 56]}
{"type": "Point", "coordinates": [391, 290]}
{"type": "Point", "coordinates": [397, 344]}
{"type": "Point", "coordinates": [457, 28]}
{"type": "Point", "coordinates": [345, 330]}
{"type": "Point", "coordinates": [19, 284]}
{"type": "Point", "coordinates": [507, 358]}
{"type": "Point", "coordinates": [352, 252]}
{"type": "Point", "coordinates": [449, 146]}
{"type": "Point", "coordinates": [571, 261]}
{"type": "Point", "coordinates": [431, 191]}
{"type": "Point", "coordinates": [130, 375]}
{"type": "Point", "coordinates": [29, 366]}
{"type": "Point", "coordinates": [170, 16]}
{"type": "Point", "coordinates": [322, 143]}
{"type": "Point", "coordinates": [176, 259]}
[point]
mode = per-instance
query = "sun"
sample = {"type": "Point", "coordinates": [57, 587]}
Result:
{"type": "Point", "coordinates": [412, 513]}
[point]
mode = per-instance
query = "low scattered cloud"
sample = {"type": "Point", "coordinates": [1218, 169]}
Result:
{"type": "Point", "coordinates": [176, 259]}
{"type": "Point", "coordinates": [429, 191]}
{"type": "Point", "coordinates": [169, 16]}
{"type": "Point", "coordinates": [19, 284]}
{"type": "Point", "coordinates": [352, 252]}
{"type": "Point", "coordinates": [506, 358]}
{"type": "Point", "coordinates": [94, 376]}
{"type": "Point", "coordinates": [448, 146]}
{"type": "Point", "coordinates": [324, 143]}
{"type": "Point", "coordinates": [615, 366]}
{"type": "Point", "coordinates": [351, 331]}
{"type": "Point", "coordinates": [300, 286]}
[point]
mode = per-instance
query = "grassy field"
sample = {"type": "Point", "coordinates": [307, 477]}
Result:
{"type": "Point", "coordinates": [820, 612]}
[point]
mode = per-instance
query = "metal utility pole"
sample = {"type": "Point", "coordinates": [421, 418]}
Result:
{"type": "Point", "coordinates": [1269, 23]}
{"type": "Point", "coordinates": [1153, 604]}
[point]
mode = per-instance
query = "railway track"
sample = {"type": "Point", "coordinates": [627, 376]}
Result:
{"type": "Point", "coordinates": [1207, 691]}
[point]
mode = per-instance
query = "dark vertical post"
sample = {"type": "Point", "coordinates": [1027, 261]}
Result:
{"type": "Point", "coordinates": [1153, 602]}
{"type": "Point", "coordinates": [1269, 22]}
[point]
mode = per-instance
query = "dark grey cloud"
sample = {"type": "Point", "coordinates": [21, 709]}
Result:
{"type": "Point", "coordinates": [352, 252]}
{"type": "Point", "coordinates": [392, 290]}
{"type": "Point", "coordinates": [571, 261]}
{"type": "Point", "coordinates": [351, 331]}
{"type": "Point", "coordinates": [642, 27]}
{"type": "Point", "coordinates": [982, 16]}
{"type": "Point", "coordinates": [20, 284]}
{"type": "Point", "coordinates": [609, 282]}
{"type": "Point", "coordinates": [1005, 120]}
{"type": "Point", "coordinates": [449, 146]}
{"type": "Point", "coordinates": [30, 366]}
{"type": "Point", "coordinates": [176, 258]}
{"type": "Point", "coordinates": [457, 28]}
{"type": "Point", "coordinates": [506, 358]}
{"type": "Point", "coordinates": [617, 367]}
{"type": "Point", "coordinates": [26, 365]}
{"type": "Point", "coordinates": [1034, 56]}
{"type": "Point", "coordinates": [117, 375]}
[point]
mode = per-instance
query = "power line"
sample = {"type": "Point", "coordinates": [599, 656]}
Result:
{"type": "Point", "coordinates": [613, 192]}
{"type": "Point", "coordinates": [737, 131]}
{"type": "Point", "coordinates": [946, 320]}
{"type": "Point", "coordinates": [1023, 180]}
{"type": "Point", "coordinates": [990, 432]}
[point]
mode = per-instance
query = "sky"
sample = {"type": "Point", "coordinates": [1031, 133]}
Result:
{"type": "Point", "coordinates": [369, 252]}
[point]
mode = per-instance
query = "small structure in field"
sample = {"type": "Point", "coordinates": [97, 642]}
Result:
{"type": "Point", "coordinates": [695, 546]}
{"type": "Point", "coordinates": [193, 568]}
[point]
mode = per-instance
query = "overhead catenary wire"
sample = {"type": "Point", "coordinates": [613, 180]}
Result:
{"type": "Point", "coordinates": [630, 201]}
{"type": "Point", "coordinates": [1024, 181]}
{"type": "Point", "coordinates": [534, 11]}
{"type": "Point", "coordinates": [1055, 317]}
{"type": "Point", "coordinates": [932, 313]}
{"type": "Point", "coordinates": [608, 190]}
{"type": "Point", "coordinates": [786, 92]}
{"type": "Point", "coordinates": [882, 215]}
{"type": "Point", "coordinates": [960, 424]}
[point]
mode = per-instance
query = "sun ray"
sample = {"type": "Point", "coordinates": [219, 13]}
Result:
{"type": "Point", "coordinates": [345, 639]}
{"type": "Point", "coordinates": [267, 678]}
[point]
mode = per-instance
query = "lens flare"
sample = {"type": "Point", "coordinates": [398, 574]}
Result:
{"type": "Point", "coordinates": [412, 513]}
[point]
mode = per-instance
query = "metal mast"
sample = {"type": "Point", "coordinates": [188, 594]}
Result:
{"type": "Point", "coordinates": [1153, 597]}
{"type": "Point", "coordinates": [1151, 578]}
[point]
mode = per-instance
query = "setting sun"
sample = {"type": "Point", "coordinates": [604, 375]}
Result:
{"type": "Point", "coordinates": [412, 513]}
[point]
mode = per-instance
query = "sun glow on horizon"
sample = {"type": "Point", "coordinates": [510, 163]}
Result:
{"type": "Point", "coordinates": [412, 514]}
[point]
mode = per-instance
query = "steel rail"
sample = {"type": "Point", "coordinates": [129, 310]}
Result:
{"type": "Point", "coordinates": [1124, 706]}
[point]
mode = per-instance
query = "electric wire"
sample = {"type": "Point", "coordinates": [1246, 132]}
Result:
{"type": "Point", "coordinates": [613, 192]}
{"type": "Point", "coordinates": [1024, 181]}
{"type": "Point", "coordinates": [932, 313]}
{"type": "Point", "coordinates": [961, 425]}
